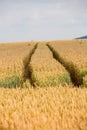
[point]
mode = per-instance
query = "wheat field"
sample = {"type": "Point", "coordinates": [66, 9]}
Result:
{"type": "Point", "coordinates": [43, 85]}
{"type": "Point", "coordinates": [73, 52]}
{"type": "Point", "coordinates": [11, 57]}
{"type": "Point", "coordinates": [46, 70]}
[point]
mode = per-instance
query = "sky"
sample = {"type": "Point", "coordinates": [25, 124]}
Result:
{"type": "Point", "coordinates": [26, 20]}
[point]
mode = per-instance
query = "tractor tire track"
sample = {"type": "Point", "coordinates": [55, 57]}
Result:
{"type": "Point", "coordinates": [75, 76]}
{"type": "Point", "coordinates": [27, 68]}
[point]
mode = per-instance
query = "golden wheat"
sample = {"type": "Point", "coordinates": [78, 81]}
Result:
{"type": "Point", "coordinates": [46, 70]}
{"type": "Point", "coordinates": [59, 108]}
{"type": "Point", "coordinates": [74, 51]}
{"type": "Point", "coordinates": [43, 108]}
{"type": "Point", "coordinates": [11, 58]}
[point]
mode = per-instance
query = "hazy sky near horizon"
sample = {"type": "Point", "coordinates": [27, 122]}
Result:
{"type": "Point", "coordinates": [24, 20]}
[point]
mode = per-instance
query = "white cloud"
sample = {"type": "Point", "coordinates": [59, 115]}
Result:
{"type": "Point", "coordinates": [23, 20]}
